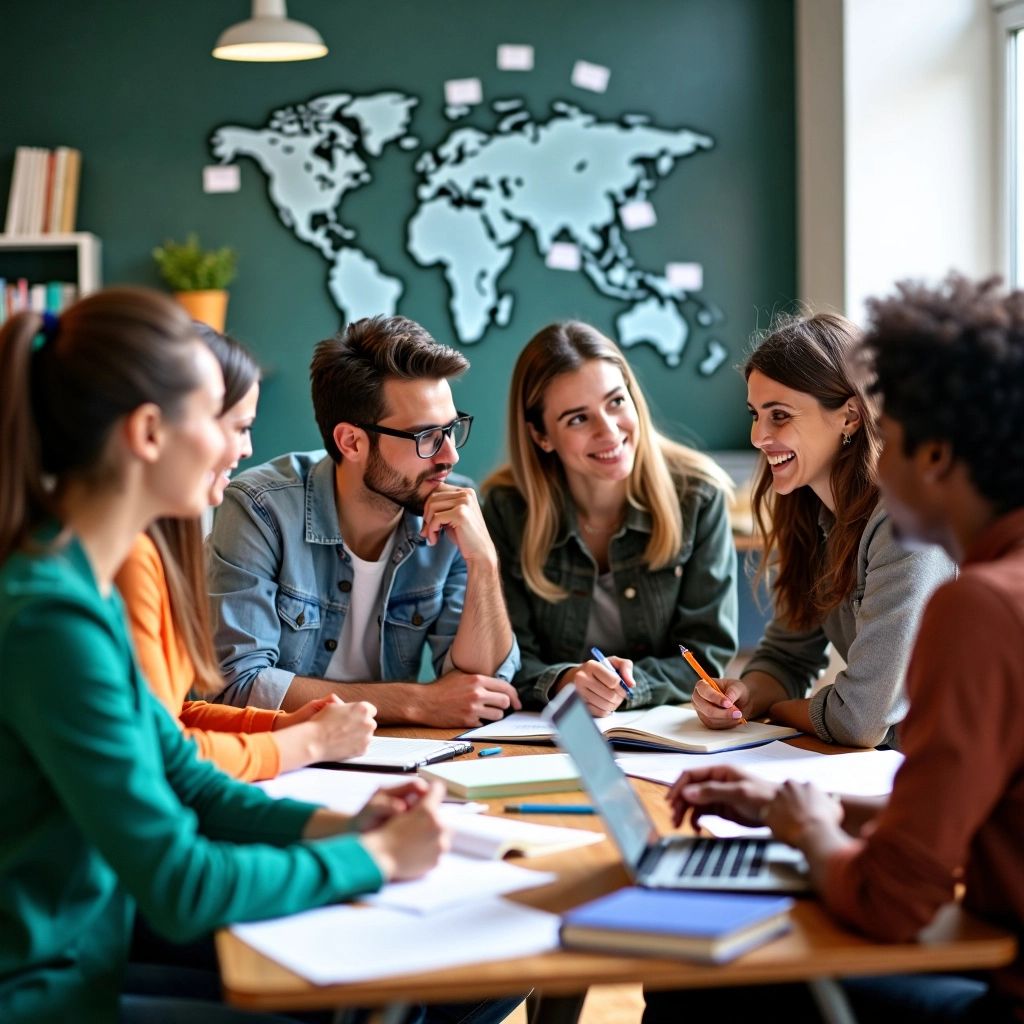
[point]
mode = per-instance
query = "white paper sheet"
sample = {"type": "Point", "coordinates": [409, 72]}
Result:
{"type": "Point", "coordinates": [563, 256]}
{"type": "Point", "coordinates": [638, 214]}
{"type": "Point", "coordinates": [590, 76]}
{"type": "Point", "coordinates": [491, 835]}
{"type": "Point", "coordinates": [456, 880]}
{"type": "Point", "coordinates": [515, 57]}
{"type": "Point", "coordinates": [687, 276]}
{"type": "Point", "coordinates": [463, 92]}
{"type": "Point", "coordinates": [344, 791]}
{"type": "Point", "coordinates": [861, 773]}
{"type": "Point", "coordinates": [341, 944]}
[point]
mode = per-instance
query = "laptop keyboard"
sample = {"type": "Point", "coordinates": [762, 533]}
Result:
{"type": "Point", "coordinates": [724, 858]}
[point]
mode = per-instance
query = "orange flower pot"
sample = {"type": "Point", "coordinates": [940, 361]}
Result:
{"type": "Point", "coordinates": [210, 306]}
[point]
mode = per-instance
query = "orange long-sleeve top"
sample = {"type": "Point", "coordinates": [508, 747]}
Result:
{"type": "Point", "coordinates": [237, 740]}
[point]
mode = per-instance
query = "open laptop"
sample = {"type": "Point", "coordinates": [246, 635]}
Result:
{"type": "Point", "coordinates": [669, 862]}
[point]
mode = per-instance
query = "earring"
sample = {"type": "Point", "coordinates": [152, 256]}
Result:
{"type": "Point", "coordinates": [846, 440]}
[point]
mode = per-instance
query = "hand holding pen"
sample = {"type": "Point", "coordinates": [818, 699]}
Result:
{"type": "Point", "coordinates": [717, 707]}
{"type": "Point", "coordinates": [602, 683]}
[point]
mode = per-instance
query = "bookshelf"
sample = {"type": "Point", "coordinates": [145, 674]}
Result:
{"type": "Point", "coordinates": [85, 245]}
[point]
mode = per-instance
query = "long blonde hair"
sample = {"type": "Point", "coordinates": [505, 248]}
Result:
{"type": "Point", "coordinates": [659, 467]}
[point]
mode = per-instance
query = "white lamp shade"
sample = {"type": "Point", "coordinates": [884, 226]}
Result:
{"type": "Point", "coordinates": [269, 36]}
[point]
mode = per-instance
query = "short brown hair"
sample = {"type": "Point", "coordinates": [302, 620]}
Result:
{"type": "Point", "coordinates": [348, 371]}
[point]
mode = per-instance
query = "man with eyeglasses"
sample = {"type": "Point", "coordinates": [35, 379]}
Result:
{"type": "Point", "coordinates": [332, 574]}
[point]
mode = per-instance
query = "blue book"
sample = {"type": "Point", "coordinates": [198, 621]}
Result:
{"type": "Point", "coordinates": [705, 927]}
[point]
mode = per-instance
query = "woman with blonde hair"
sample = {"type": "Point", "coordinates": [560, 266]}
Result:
{"type": "Point", "coordinates": [837, 573]}
{"type": "Point", "coordinates": [610, 535]}
{"type": "Point", "coordinates": [163, 583]}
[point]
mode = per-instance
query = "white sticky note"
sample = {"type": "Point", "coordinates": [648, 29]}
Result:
{"type": "Point", "coordinates": [221, 178]}
{"type": "Point", "coordinates": [462, 92]}
{"type": "Point", "coordinates": [637, 214]}
{"type": "Point", "coordinates": [590, 76]}
{"type": "Point", "coordinates": [515, 57]}
{"type": "Point", "coordinates": [563, 256]}
{"type": "Point", "coordinates": [687, 276]}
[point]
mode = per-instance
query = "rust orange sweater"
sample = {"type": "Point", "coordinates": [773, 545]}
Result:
{"type": "Point", "coordinates": [957, 805]}
{"type": "Point", "coordinates": [237, 740]}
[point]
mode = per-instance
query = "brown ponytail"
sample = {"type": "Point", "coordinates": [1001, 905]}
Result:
{"type": "Point", "coordinates": [106, 355]}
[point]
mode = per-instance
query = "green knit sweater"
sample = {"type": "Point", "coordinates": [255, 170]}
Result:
{"type": "Point", "coordinates": [104, 805]}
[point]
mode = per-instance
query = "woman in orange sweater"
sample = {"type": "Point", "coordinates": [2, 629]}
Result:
{"type": "Point", "coordinates": [164, 590]}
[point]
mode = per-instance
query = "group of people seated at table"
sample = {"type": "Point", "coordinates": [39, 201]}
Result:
{"type": "Point", "coordinates": [148, 676]}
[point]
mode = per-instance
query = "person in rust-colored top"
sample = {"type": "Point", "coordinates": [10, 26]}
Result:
{"type": "Point", "coordinates": [949, 366]}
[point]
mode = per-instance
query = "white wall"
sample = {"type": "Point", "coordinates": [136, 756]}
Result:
{"type": "Point", "coordinates": [919, 179]}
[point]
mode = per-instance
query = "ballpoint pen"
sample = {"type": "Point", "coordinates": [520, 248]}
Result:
{"type": "Point", "coordinates": [598, 656]}
{"type": "Point", "coordinates": [696, 666]}
{"type": "Point", "coordinates": [548, 809]}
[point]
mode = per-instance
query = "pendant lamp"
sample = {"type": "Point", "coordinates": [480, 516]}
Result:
{"type": "Point", "coordinates": [269, 35]}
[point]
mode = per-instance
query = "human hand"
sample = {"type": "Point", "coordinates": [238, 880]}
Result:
{"type": "Point", "coordinates": [598, 686]}
{"type": "Point", "coordinates": [723, 790]}
{"type": "Point", "coordinates": [457, 511]}
{"type": "Point", "coordinates": [466, 699]}
{"type": "Point", "coordinates": [386, 803]}
{"type": "Point", "coordinates": [306, 712]}
{"type": "Point", "coordinates": [799, 808]}
{"type": "Point", "coordinates": [410, 843]}
{"type": "Point", "coordinates": [721, 710]}
{"type": "Point", "coordinates": [339, 730]}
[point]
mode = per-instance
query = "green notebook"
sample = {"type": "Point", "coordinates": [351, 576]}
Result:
{"type": "Point", "coordinates": [507, 775]}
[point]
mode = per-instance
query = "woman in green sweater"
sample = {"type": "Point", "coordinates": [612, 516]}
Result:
{"type": "Point", "coordinates": [108, 419]}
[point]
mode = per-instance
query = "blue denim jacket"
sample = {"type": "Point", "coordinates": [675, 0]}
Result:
{"type": "Point", "coordinates": [279, 582]}
{"type": "Point", "coordinates": [690, 601]}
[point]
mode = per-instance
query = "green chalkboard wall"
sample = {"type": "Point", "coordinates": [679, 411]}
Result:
{"type": "Point", "coordinates": [133, 86]}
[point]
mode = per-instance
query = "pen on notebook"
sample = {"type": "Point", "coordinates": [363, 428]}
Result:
{"type": "Point", "coordinates": [488, 752]}
{"type": "Point", "coordinates": [598, 656]}
{"type": "Point", "coordinates": [696, 666]}
{"type": "Point", "coordinates": [549, 809]}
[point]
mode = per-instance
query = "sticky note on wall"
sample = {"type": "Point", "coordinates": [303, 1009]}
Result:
{"type": "Point", "coordinates": [590, 76]}
{"type": "Point", "coordinates": [687, 276]}
{"type": "Point", "coordinates": [463, 92]}
{"type": "Point", "coordinates": [515, 57]}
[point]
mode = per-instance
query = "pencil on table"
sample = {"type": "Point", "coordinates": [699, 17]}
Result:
{"type": "Point", "coordinates": [696, 666]}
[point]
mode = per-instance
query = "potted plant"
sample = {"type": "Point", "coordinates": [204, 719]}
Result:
{"type": "Point", "coordinates": [199, 277]}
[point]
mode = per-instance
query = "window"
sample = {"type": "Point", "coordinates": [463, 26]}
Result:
{"type": "Point", "coordinates": [1010, 63]}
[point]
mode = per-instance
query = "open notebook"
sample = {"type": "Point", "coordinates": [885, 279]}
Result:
{"type": "Point", "coordinates": [669, 727]}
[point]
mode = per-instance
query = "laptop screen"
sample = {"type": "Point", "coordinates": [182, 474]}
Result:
{"type": "Point", "coordinates": [610, 791]}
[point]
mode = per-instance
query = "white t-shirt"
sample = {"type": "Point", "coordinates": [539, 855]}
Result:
{"type": "Point", "coordinates": [357, 656]}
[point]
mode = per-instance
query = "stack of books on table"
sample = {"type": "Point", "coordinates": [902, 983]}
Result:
{"type": "Point", "coordinates": [44, 191]}
{"type": "Point", "coordinates": [704, 927]}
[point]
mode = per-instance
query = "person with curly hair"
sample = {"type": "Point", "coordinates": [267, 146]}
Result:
{"type": "Point", "coordinates": [949, 367]}
{"type": "Point", "coordinates": [837, 574]}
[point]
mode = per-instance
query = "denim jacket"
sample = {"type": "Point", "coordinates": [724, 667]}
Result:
{"type": "Point", "coordinates": [690, 601]}
{"type": "Point", "coordinates": [280, 579]}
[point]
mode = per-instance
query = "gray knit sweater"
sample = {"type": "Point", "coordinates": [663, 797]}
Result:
{"type": "Point", "coordinates": [873, 629]}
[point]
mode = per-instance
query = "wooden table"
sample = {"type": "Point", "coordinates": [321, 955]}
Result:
{"type": "Point", "coordinates": [816, 947]}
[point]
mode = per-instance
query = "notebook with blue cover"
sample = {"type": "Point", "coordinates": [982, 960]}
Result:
{"type": "Point", "coordinates": [706, 927]}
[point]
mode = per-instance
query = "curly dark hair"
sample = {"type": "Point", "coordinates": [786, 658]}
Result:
{"type": "Point", "coordinates": [948, 363]}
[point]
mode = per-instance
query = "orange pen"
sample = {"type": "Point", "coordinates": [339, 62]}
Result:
{"type": "Point", "coordinates": [696, 666]}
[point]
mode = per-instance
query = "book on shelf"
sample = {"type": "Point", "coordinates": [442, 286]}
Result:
{"type": "Point", "coordinates": [669, 727]}
{"type": "Point", "coordinates": [507, 776]}
{"type": "Point", "coordinates": [43, 198]}
{"type": "Point", "coordinates": [19, 295]}
{"type": "Point", "coordinates": [705, 927]}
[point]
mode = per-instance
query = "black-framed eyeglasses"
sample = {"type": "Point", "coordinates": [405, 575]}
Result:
{"type": "Point", "coordinates": [429, 440]}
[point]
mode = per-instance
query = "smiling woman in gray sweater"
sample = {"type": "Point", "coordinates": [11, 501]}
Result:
{"type": "Point", "coordinates": [837, 573]}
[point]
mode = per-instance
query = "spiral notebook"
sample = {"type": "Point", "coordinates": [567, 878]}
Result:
{"type": "Point", "coordinates": [394, 754]}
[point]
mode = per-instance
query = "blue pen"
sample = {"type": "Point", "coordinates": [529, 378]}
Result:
{"type": "Point", "coordinates": [598, 656]}
{"type": "Point", "coordinates": [488, 752]}
{"type": "Point", "coordinates": [548, 809]}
